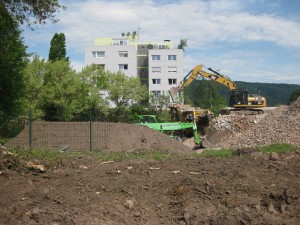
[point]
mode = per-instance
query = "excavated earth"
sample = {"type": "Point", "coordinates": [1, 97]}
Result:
{"type": "Point", "coordinates": [249, 188]}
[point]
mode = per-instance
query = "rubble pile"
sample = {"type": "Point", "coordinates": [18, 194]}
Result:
{"type": "Point", "coordinates": [280, 126]}
{"type": "Point", "coordinates": [236, 123]}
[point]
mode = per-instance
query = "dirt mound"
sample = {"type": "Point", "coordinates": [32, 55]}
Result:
{"type": "Point", "coordinates": [105, 137]}
{"type": "Point", "coordinates": [128, 137]}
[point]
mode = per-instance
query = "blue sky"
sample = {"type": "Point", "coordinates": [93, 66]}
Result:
{"type": "Point", "coordinates": [247, 40]}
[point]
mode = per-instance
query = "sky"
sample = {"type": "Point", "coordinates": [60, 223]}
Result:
{"type": "Point", "coordinates": [246, 40]}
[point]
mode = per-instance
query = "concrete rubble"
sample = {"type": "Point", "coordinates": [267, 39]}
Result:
{"type": "Point", "coordinates": [279, 126]}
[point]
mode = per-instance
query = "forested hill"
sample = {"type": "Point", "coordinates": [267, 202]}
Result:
{"type": "Point", "coordinates": [276, 94]}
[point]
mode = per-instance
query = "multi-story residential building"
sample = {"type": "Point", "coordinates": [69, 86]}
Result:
{"type": "Point", "coordinates": [158, 65]}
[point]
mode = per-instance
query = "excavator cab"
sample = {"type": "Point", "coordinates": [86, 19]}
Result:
{"type": "Point", "coordinates": [238, 97]}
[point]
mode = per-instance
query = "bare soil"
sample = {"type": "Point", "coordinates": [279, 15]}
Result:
{"type": "Point", "coordinates": [252, 188]}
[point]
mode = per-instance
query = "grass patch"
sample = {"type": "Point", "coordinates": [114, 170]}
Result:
{"type": "Point", "coordinates": [217, 153]}
{"type": "Point", "coordinates": [45, 155]}
{"type": "Point", "coordinates": [37, 154]}
{"type": "Point", "coordinates": [278, 148]}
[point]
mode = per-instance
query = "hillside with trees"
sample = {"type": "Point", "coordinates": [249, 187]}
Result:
{"type": "Point", "coordinates": [203, 93]}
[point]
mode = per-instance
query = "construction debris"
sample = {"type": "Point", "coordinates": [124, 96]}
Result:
{"type": "Point", "coordinates": [279, 126]}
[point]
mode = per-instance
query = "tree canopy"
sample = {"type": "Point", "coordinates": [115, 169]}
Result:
{"type": "Point", "coordinates": [58, 47]}
{"type": "Point", "coordinates": [30, 12]}
{"type": "Point", "coordinates": [12, 61]}
{"type": "Point", "coordinates": [182, 44]}
{"type": "Point", "coordinates": [294, 96]}
{"type": "Point", "coordinates": [123, 90]}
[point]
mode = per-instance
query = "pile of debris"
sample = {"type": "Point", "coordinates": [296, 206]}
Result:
{"type": "Point", "coordinates": [236, 123]}
{"type": "Point", "coordinates": [280, 126]}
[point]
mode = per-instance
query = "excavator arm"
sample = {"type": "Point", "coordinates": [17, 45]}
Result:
{"type": "Point", "coordinates": [198, 71]}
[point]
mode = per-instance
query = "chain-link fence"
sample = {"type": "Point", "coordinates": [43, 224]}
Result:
{"type": "Point", "coordinates": [52, 132]}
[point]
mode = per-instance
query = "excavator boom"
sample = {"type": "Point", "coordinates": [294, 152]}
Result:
{"type": "Point", "coordinates": [198, 71]}
{"type": "Point", "coordinates": [239, 98]}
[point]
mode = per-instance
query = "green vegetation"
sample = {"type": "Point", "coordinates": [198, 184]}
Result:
{"type": "Point", "coordinates": [49, 156]}
{"type": "Point", "coordinates": [33, 11]}
{"type": "Point", "coordinates": [58, 48]}
{"type": "Point", "coordinates": [12, 62]}
{"type": "Point", "coordinates": [278, 148]}
{"type": "Point", "coordinates": [216, 153]}
{"type": "Point", "coordinates": [205, 93]}
{"type": "Point", "coordinates": [294, 96]}
{"type": "Point", "coordinates": [44, 155]}
{"type": "Point", "coordinates": [182, 44]}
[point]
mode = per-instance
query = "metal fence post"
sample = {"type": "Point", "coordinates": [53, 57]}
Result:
{"type": "Point", "coordinates": [30, 129]}
{"type": "Point", "coordinates": [91, 131]}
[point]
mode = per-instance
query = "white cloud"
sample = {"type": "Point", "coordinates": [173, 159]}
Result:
{"type": "Point", "coordinates": [206, 25]}
{"type": "Point", "coordinates": [200, 22]}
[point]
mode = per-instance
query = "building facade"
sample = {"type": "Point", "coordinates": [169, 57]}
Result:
{"type": "Point", "coordinates": [158, 65]}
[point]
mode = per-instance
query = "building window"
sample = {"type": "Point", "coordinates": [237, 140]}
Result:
{"type": "Point", "coordinates": [156, 69]}
{"type": "Point", "coordinates": [156, 81]}
{"type": "Point", "coordinates": [172, 81]}
{"type": "Point", "coordinates": [123, 54]}
{"type": "Point", "coordinates": [119, 42]}
{"type": "Point", "coordinates": [172, 69]}
{"type": "Point", "coordinates": [155, 57]}
{"type": "Point", "coordinates": [156, 93]}
{"type": "Point", "coordinates": [172, 57]}
{"type": "Point", "coordinates": [123, 66]}
{"type": "Point", "coordinates": [98, 54]}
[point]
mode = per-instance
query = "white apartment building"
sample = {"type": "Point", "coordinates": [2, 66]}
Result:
{"type": "Point", "coordinates": [158, 65]}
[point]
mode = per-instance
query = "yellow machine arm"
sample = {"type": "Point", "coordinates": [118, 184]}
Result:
{"type": "Point", "coordinates": [194, 73]}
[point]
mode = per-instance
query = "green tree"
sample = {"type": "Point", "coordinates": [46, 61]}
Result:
{"type": "Point", "coordinates": [30, 12]}
{"type": "Point", "coordinates": [12, 61]}
{"type": "Point", "coordinates": [161, 101]}
{"type": "Point", "coordinates": [94, 80]}
{"type": "Point", "coordinates": [294, 96]}
{"type": "Point", "coordinates": [182, 44]}
{"type": "Point", "coordinates": [62, 91]}
{"type": "Point", "coordinates": [123, 90]}
{"type": "Point", "coordinates": [34, 80]}
{"type": "Point", "coordinates": [204, 93]}
{"type": "Point", "coordinates": [58, 47]}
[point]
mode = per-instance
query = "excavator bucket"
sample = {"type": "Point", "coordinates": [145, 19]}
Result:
{"type": "Point", "coordinates": [173, 93]}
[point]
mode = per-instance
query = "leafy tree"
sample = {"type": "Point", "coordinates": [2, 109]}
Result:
{"type": "Point", "coordinates": [182, 44]}
{"type": "Point", "coordinates": [203, 93]}
{"type": "Point", "coordinates": [30, 12]}
{"type": "Point", "coordinates": [62, 91]}
{"type": "Point", "coordinates": [159, 100]}
{"type": "Point", "coordinates": [94, 80]}
{"type": "Point", "coordinates": [12, 61]}
{"type": "Point", "coordinates": [58, 47]}
{"type": "Point", "coordinates": [34, 80]}
{"type": "Point", "coordinates": [55, 90]}
{"type": "Point", "coordinates": [294, 96]}
{"type": "Point", "coordinates": [123, 90]}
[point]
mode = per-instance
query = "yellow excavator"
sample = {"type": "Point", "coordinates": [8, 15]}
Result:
{"type": "Point", "coordinates": [239, 100]}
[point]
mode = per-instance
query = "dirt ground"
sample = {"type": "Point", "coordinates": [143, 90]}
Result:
{"type": "Point", "coordinates": [250, 188]}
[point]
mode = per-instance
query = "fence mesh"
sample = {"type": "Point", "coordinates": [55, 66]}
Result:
{"type": "Point", "coordinates": [61, 135]}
